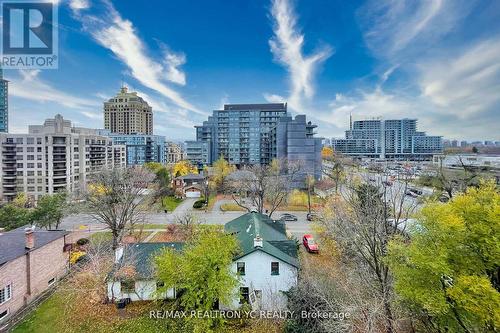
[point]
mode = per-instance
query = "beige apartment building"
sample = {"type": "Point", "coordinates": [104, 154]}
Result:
{"type": "Point", "coordinates": [128, 113]}
{"type": "Point", "coordinates": [173, 152]}
{"type": "Point", "coordinates": [54, 157]}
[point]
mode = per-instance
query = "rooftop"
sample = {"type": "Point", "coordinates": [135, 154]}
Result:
{"type": "Point", "coordinates": [12, 243]}
{"type": "Point", "coordinates": [140, 256]}
{"type": "Point", "coordinates": [273, 233]}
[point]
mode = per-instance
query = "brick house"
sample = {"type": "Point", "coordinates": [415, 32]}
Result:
{"type": "Point", "coordinates": [30, 262]}
{"type": "Point", "coordinates": [190, 186]}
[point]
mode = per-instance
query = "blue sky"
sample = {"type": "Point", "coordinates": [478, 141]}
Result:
{"type": "Point", "coordinates": [435, 60]}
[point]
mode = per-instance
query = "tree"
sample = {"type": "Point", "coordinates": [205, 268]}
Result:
{"type": "Point", "coordinates": [183, 168]}
{"type": "Point", "coordinates": [362, 222]}
{"type": "Point", "coordinates": [115, 198]}
{"type": "Point", "coordinates": [12, 217]}
{"type": "Point", "coordinates": [259, 185]}
{"type": "Point", "coordinates": [221, 169]}
{"type": "Point", "coordinates": [326, 152]}
{"type": "Point", "coordinates": [202, 271]}
{"type": "Point", "coordinates": [310, 185]}
{"type": "Point", "coordinates": [334, 169]}
{"type": "Point", "coordinates": [449, 271]}
{"type": "Point", "coordinates": [50, 210]}
{"type": "Point", "coordinates": [162, 179]}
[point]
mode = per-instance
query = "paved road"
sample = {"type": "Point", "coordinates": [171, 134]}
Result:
{"type": "Point", "coordinates": [84, 222]}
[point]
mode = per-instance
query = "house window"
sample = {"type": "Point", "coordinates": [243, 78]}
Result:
{"type": "Point", "coordinates": [244, 295]}
{"type": "Point", "coordinates": [240, 268]}
{"type": "Point", "coordinates": [4, 314]}
{"type": "Point", "coordinates": [128, 286]}
{"type": "Point", "coordinates": [5, 293]}
{"type": "Point", "coordinates": [51, 281]}
{"type": "Point", "coordinates": [275, 268]}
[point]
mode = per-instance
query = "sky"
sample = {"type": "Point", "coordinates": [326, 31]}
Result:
{"type": "Point", "coordinates": [434, 60]}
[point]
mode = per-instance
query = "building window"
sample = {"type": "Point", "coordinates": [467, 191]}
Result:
{"type": "Point", "coordinates": [128, 286]}
{"type": "Point", "coordinates": [51, 281]}
{"type": "Point", "coordinates": [275, 268]}
{"type": "Point", "coordinates": [244, 295]}
{"type": "Point", "coordinates": [240, 268]}
{"type": "Point", "coordinates": [4, 314]}
{"type": "Point", "coordinates": [5, 293]}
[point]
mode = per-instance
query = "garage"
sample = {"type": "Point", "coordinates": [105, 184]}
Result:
{"type": "Point", "coordinates": [192, 192]}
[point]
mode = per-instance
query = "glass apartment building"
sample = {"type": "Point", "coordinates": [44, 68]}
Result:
{"type": "Point", "coordinates": [391, 139]}
{"type": "Point", "coordinates": [140, 148]}
{"type": "Point", "coordinates": [249, 134]}
{"type": "Point", "coordinates": [4, 104]}
{"type": "Point", "coordinates": [240, 132]}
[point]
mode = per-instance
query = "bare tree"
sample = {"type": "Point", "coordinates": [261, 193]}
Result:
{"type": "Point", "coordinates": [334, 169]}
{"type": "Point", "coordinates": [261, 185]}
{"type": "Point", "coordinates": [117, 199]}
{"type": "Point", "coordinates": [362, 223]}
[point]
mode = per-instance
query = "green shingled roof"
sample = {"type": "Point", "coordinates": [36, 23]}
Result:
{"type": "Point", "coordinates": [273, 234]}
{"type": "Point", "coordinates": [141, 255]}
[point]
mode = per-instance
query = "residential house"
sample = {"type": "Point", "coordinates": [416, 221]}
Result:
{"type": "Point", "coordinates": [266, 266]}
{"type": "Point", "coordinates": [133, 276]}
{"type": "Point", "coordinates": [190, 186]}
{"type": "Point", "coordinates": [31, 261]}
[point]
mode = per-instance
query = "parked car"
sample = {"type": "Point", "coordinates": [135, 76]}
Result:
{"type": "Point", "coordinates": [312, 216]}
{"type": "Point", "coordinates": [310, 244]}
{"type": "Point", "coordinates": [411, 194]}
{"type": "Point", "coordinates": [288, 217]}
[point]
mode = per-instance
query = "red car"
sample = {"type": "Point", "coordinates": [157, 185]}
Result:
{"type": "Point", "coordinates": [310, 244]}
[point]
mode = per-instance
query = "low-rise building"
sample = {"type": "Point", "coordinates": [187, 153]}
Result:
{"type": "Point", "coordinates": [31, 261]}
{"type": "Point", "coordinates": [54, 157]}
{"type": "Point", "coordinates": [266, 266]}
{"type": "Point", "coordinates": [190, 186]}
{"type": "Point", "coordinates": [268, 263]}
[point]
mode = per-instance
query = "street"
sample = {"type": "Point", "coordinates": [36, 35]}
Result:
{"type": "Point", "coordinates": [85, 222]}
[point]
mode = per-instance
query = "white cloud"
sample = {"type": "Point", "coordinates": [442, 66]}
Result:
{"type": "Point", "coordinates": [287, 48]}
{"type": "Point", "coordinates": [79, 4]}
{"type": "Point", "coordinates": [31, 87]}
{"type": "Point", "coordinates": [397, 29]}
{"type": "Point", "coordinates": [172, 62]}
{"type": "Point", "coordinates": [92, 115]}
{"type": "Point", "coordinates": [466, 83]}
{"type": "Point", "coordinates": [119, 35]}
{"type": "Point", "coordinates": [273, 98]}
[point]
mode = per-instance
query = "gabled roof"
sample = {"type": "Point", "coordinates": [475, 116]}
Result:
{"type": "Point", "coordinates": [141, 256]}
{"type": "Point", "coordinates": [191, 176]}
{"type": "Point", "coordinates": [273, 234]}
{"type": "Point", "coordinates": [12, 243]}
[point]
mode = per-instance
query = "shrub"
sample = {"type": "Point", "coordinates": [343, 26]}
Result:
{"type": "Point", "coordinates": [82, 241]}
{"type": "Point", "coordinates": [199, 203]}
{"type": "Point", "coordinates": [297, 198]}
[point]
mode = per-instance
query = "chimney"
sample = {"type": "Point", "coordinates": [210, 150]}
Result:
{"type": "Point", "coordinates": [257, 241]}
{"type": "Point", "coordinates": [118, 254]}
{"type": "Point", "coordinates": [30, 238]}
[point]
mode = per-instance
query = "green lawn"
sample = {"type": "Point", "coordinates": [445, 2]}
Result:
{"type": "Point", "coordinates": [170, 203]}
{"type": "Point", "coordinates": [60, 313]}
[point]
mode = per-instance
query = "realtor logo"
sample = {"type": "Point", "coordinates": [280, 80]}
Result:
{"type": "Point", "coordinates": [29, 35]}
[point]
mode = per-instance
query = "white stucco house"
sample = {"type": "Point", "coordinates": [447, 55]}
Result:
{"type": "Point", "coordinates": [266, 266]}
{"type": "Point", "coordinates": [133, 276]}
